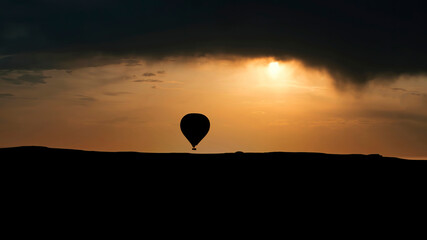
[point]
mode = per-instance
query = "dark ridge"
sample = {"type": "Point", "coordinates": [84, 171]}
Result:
{"type": "Point", "coordinates": [36, 152]}
{"type": "Point", "coordinates": [160, 169]}
{"type": "Point", "coordinates": [74, 179]}
{"type": "Point", "coordinates": [165, 172]}
{"type": "Point", "coordinates": [63, 189]}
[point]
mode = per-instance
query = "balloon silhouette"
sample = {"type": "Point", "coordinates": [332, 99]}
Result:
{"type": "Point", "coordinates": [195, 126]}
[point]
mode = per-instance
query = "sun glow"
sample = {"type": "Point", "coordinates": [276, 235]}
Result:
{"type": "Point", "coordinates": [274, 69]}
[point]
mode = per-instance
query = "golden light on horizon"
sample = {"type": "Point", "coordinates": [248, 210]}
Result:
{"type": "Point", "coordinates": [254, 104]}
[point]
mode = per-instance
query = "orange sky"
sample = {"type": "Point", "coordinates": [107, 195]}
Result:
{"type": "Point", "coordinates": [254, 105]}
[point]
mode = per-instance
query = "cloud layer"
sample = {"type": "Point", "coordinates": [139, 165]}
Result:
{"type": "Point", "coordinates": [5, 95]}
{"type": "Point", "coordinates": [30, 78]}
{"type": "Point", "coordinates": [354, 40]}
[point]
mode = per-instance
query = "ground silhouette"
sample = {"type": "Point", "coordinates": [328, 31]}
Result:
{"type": "Point", "coordinates": [36, 152]}
{"type": "Point", "coordinates": [307, 178]}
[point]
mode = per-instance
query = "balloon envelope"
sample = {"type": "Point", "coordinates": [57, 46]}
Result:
{"type": "Point", "coordinates": [195, 126]}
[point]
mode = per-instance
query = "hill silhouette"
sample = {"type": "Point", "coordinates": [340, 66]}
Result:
{"type": "Point", "coordinates": [36, 152]}
{"type": "Point", "coordinates": [100, 188]}
{"type": "Point", "coordinates": [194, 169]}
{"type": "Point", "coordinates": [171, 179]}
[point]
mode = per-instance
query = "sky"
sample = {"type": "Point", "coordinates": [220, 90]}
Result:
{"type": "Point", "coordinates": [306, 76]}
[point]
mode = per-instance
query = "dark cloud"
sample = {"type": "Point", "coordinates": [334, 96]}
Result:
{"type": "Point", "coordinates": [407, 92]}
{"type": "Point", "coordinates": [355, 40]}
{"type": "Point", "coordinates": [132, 62]}
{"type": "Point", "coordinates": [149, 81]}
{"type": "Point", "coordinates": [115, 120]}
{"type": "Point", "coordinates": [5, 95]}
{"type": "Point", "coordinates": [148, 74]}
{"type": "Point", "coordinates": [399, 89]}
{"type": "Point", "coordinates": [161, 72]}
{"type": "Point", "coordinates": [116, 93]}
{"type": "Point", "coordinates": [418, 94]}
{"type": "Point", "coordinates": [32, 78]}
{"type": "Point", "coordinates": [64, 60]}
{"type": "Point", "coordinates": [85, 98]}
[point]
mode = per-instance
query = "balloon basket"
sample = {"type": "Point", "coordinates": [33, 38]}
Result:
{"type": "Point", "coordinates": [194, 148]}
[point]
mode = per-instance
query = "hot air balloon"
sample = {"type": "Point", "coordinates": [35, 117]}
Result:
{"type": "Point", "coordinates": [195, 126]}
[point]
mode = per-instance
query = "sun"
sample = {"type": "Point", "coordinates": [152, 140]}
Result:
{"type": "Point", "coordinates": [274, 69]}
